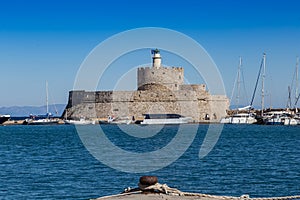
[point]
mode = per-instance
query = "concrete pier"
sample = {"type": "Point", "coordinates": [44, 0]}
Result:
{"type": "Point", "coordinates": [157, 191]}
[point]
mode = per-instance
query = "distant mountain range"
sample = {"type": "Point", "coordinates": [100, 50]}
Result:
{"type": "Point", "coordinates": [21, 111]}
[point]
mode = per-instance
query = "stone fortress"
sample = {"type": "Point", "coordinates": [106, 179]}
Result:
{"type": "Point", "coordinates": [161, 90]}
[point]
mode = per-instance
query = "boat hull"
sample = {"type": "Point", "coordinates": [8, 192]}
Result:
{"type": "Point", "coordinates": [42, 122]}
{"type": "Point", "coordinates": [183, 120]}
{"type": "Point", "coordinates": [290, 121]}
{"type": "Point", "coordinates": [273, 123]}
{"type": "Point", "coordinates": [239, 119]}
{"type": "Point", "coordinates": [4, 118]}
{"type": "Point", "coordinates": [79, 122]}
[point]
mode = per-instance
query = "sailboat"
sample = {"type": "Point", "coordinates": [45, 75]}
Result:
{"type": "Point", "coordinates": [263, 118]}
{"type": "Point", "coordinates": [294, 119]}
{"type": "Point", "coordinates": [272, 117]}
{"type": "Point", "coordinates": [77, 121]}
{"type": "Point", "coordinates": [46, 119]}
{"type": "Point", "coordinates": [284, 117]}
{"type": "Point", "coordinates": [241, 115]}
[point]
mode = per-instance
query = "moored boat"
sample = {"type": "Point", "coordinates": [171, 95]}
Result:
{"type": "Point", "coordinates": [241, 115]}
{"type": "Point", "coordinates": [279, 118]}
{"type": "Point", "coordinates": [116, 120]}
{"type": "Point", "coordinates": [46, 119]}
{"type": "Point", "coordinates": [81, 121]}
{"type": "Point", "coordinates": [165, 119]}
{"type": "Point", "coordinates": [121, 120]}
{"type": "Point", "coordinates": [4, 118]}
{"type": "Point", "coordinates": [239, 118]}
{"type": "Point", "coordinates": [41, 120]}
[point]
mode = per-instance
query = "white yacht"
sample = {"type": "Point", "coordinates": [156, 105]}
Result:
{"type": "Point", "coordinates": [116, 120]}
{"type": "Point", "coordinates": [41, 120]}
{"type": "Point", "coordinates": [279, 118]}
{"type": "Point", "coordinates": [165, 119]}
{"type": "Point", "coordinates": [81, 121]}
{"type": "Point", "coordinates": [239, 118]}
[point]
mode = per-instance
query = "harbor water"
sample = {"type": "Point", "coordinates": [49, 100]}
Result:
{"type": "Point", "coordinates": [51, 162]}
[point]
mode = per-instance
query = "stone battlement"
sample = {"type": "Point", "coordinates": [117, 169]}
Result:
{"type": "Point", "coordinates": [173, 68]}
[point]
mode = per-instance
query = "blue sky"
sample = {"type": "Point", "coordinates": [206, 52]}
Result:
{"type": "Point", "coordinates": [48, 40]}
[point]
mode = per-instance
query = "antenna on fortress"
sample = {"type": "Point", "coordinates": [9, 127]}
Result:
{"type": "Point", "coordinates": [156, 59]}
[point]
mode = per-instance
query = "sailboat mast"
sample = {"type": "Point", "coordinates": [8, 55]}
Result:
{"type": "Point", "coordinates": [263, 85]}
{"type": "Point", "coordinates": [297, 84]}
{"type": "Point", "coordinates": [256, 83]}
{"type": "Point", "coordinates": [297, 78]}
{"type": "Point", "coordinates": [239, 82]}
{"type": "Point", "coordinates": [47, 97]}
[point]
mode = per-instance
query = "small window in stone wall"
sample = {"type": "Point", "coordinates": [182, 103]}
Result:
{"type": "Point", "coordinates": [91, 107]}
{"type": "Point", "coordinates": [176, 85]}
{"type": "Point", "coordinates": [179, 77]}
{"type": "Point", "coordinates": [116, 109]}
{"type": "Point", "coordinates": [215, 116]}
{"type": "Point", "coordinates": [152, 72]}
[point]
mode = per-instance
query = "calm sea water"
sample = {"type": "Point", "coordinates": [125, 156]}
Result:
{"type": "Point", "coordinates": [50, 162]}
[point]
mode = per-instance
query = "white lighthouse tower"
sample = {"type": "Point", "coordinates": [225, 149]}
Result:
{"type": "Point", "coordinates": [156, 59]}
{"type": "Point", "coordinates": [158, 76]}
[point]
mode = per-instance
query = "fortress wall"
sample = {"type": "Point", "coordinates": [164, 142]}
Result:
{"type": "Point", "coordinates": [167, 76]}
{"type": "Point", "coordinates": [135, 103]}
{"type": "Point", "coordinates": [102, 96]}
{"type": "Point", "coordinates": [80, 96]}
{"type": "Point", "coordinates": [122, 96]}
{"type": "Point", "coordinates": [165, 96]}
{"type": "Point", "coordinates": [195, 109]}
{"type": "Point", "coordinates": [218, 104]}
{"type": "Point", "coordinates": [87, 110]}
{"type": "Point", "coordinates": [137, 109]}
{"type": "Point", "coordinates": [161, 91]}
{"type": "Point", "coordinates": [184, 108]}
{"type": "Point", "coordinates": [194, 87]}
